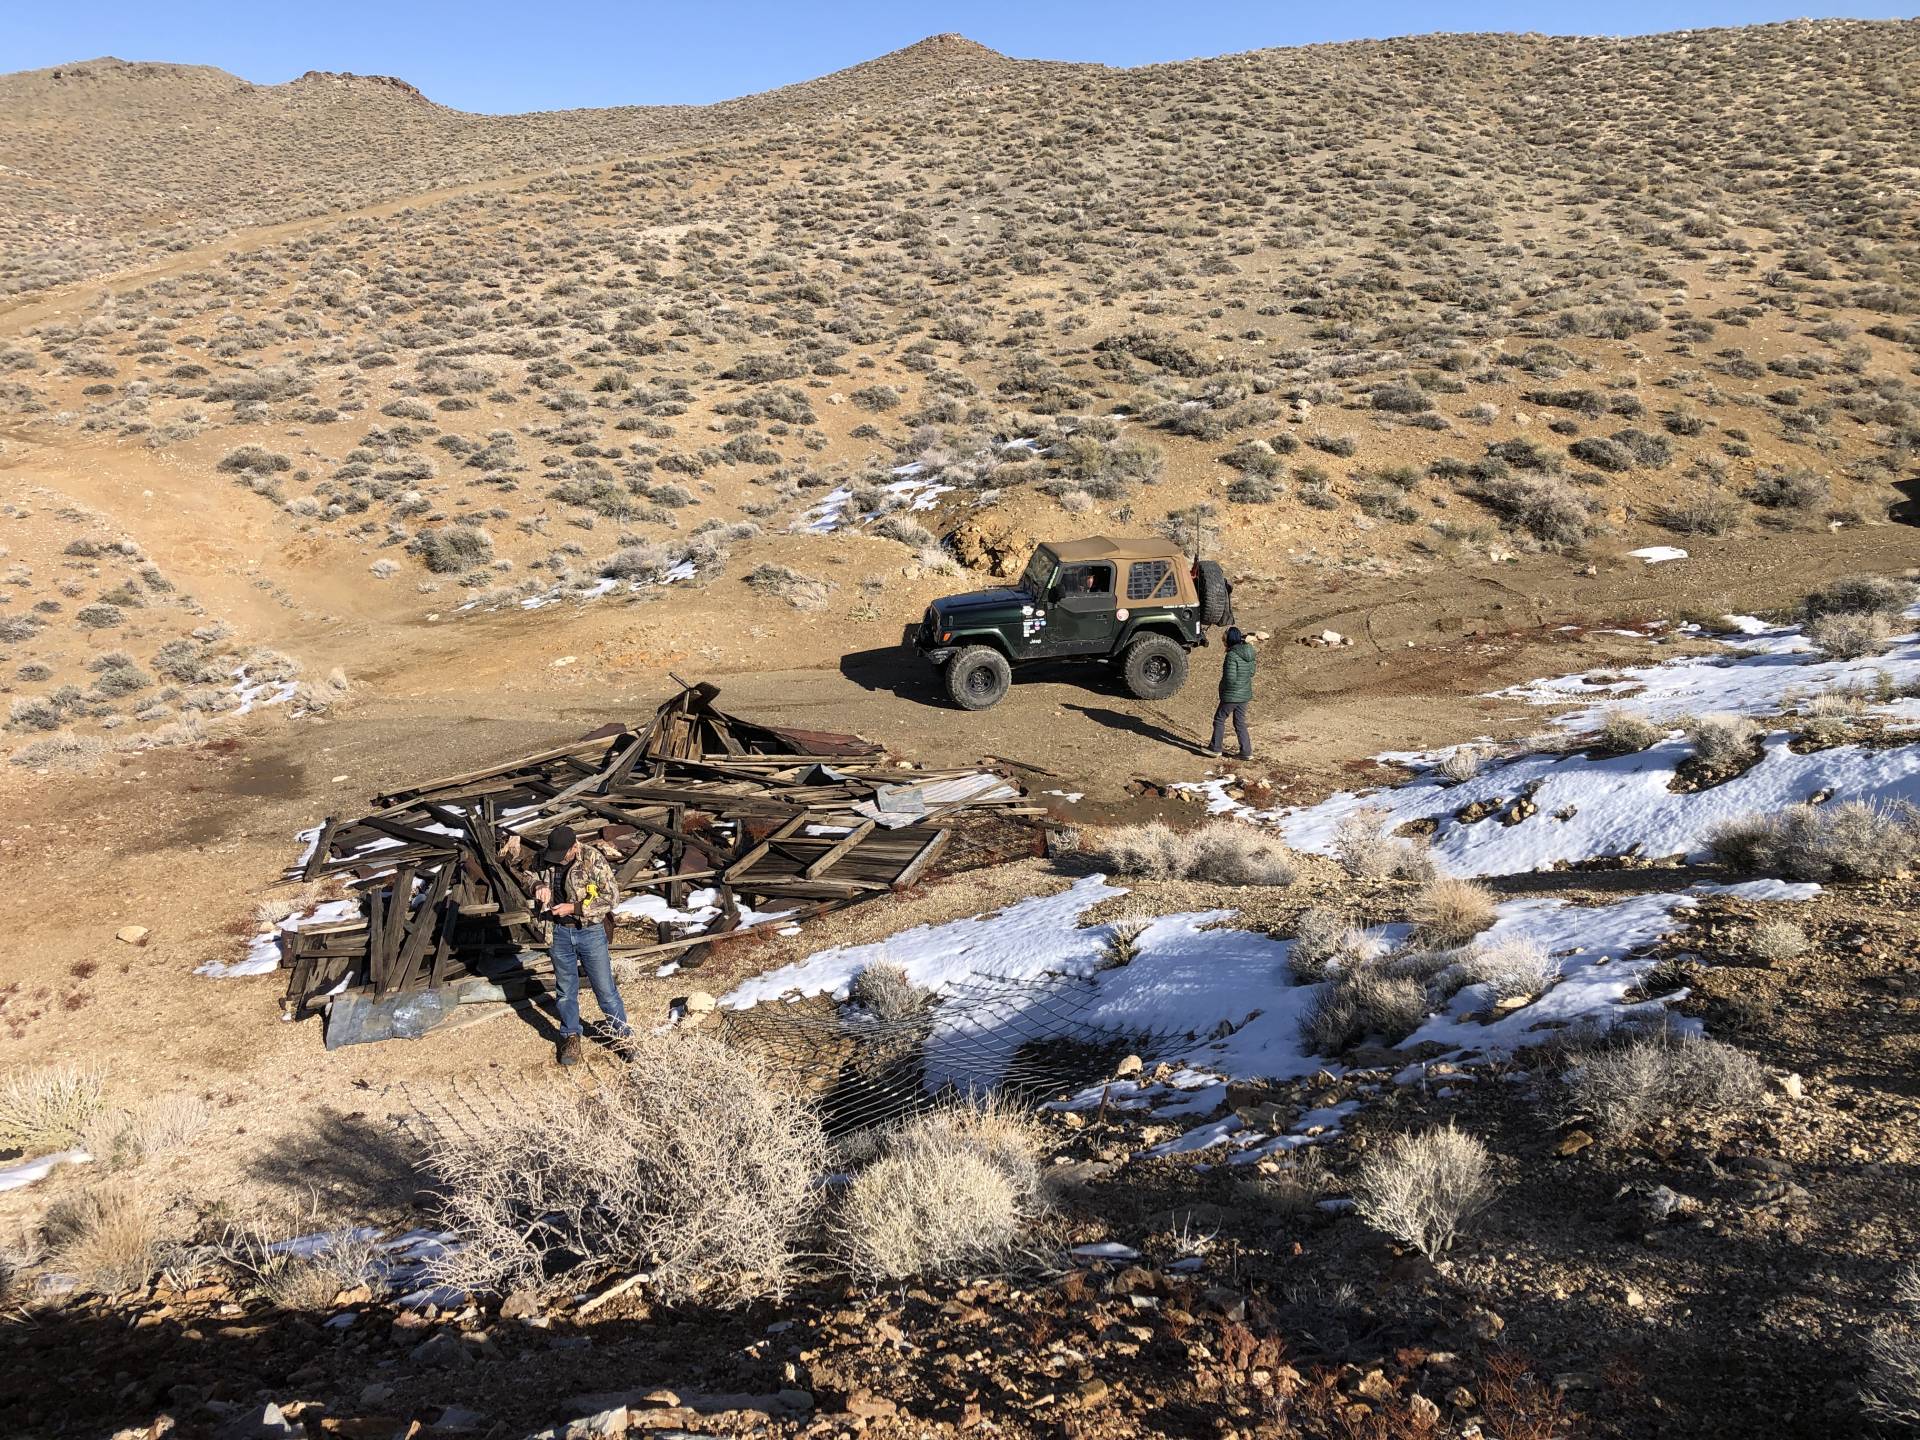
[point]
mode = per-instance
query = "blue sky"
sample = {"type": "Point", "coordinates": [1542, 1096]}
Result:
{"type": "Point", "coordinates": [500, 57]}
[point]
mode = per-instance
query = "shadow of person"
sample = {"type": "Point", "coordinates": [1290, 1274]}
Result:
{"type": "Point", "coordinates": [1136, 725]}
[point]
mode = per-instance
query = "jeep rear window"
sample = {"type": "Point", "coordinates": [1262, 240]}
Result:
{"type": "Point", "coordinates": [1147, 578]}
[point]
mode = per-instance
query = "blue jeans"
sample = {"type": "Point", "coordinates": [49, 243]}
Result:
{"type": "Point", "coordinates": [1236, 710]}
{"type": "Point", "coordinates": [585, 947]}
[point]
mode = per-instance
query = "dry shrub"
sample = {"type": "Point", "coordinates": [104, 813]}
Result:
{"type": "Point", "coordinates": [1295, 1188]}
{"type": "Point", "coordinates": [1153, 851]}
{"type": "Point", "coordinates": [1422, 1189]}
{"type": "Point", "coordinates": [297, 1279]}
{"type": "Point", "coordinates": [1361, 1002]}
{"type": "Point", "coordinates": [106, 1235]}
{"type": "Point", "coordinates": [1123, 938]}
{"type": "Point", "coordinates": [1776, 940]}
{"type": "Point", "coordinates": [1628, 733]}
{"type": "Point", "coordinates": [1367, 852]}
{"type": "Point", "coordinates": [952, 1189]}
{"type": "Point", "coordinates": [1850, 637]}
{"type": "Point", "coordinates": [1511, 969]}
{"type": "Point", "coordinates": [683, 1163]}
{"type": "Point", "coordinates": [1860, 595]}
{"type": "Point", "coordinates": [1892, 1391]}
{"type": "Point", "coordinates": [1658, 1077]}
{"type": "Point", "coordinates": [884, 991]}
{"type": "Point", "coordinates": [782, 582]}
{"type": "Point", "coordinates": [118, 1138]}
{"type": "Point", "coordinates": [1449, 912]}
{"type": "Point", "coordinates": [1221, 852]}
{"type": "Point", "coordinates": [1721, 742]}
{"type": "Point", "coordinates": [1851, 840]}
{"type": "Point", "coordinates": [1463, 762]}
{"type": "Point", "coordinates": [1323, 939]}
{"type": "Point", "coordinates": [48, 1107]}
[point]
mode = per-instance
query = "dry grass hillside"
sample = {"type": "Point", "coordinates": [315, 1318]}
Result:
{"type": "Point", "coordinates": [1380, 308]}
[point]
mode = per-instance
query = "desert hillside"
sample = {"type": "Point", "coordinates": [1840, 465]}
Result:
{"type": "Point", "coordinates": [1518, 1045]}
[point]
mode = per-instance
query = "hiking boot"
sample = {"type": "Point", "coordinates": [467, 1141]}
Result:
{"type": "Point", "coordinates": [569, 1049]}
{"type": "Point", "coordinates": [1213, 754]}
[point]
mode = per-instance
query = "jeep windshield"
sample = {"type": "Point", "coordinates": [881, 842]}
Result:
{"type": "Point", "coordinates": [1038, 572]}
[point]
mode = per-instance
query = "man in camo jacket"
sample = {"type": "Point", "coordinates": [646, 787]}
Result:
{"type": "Point", "coordinates": [573, 885]}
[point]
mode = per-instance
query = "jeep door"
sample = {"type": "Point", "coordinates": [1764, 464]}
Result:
{"type": "Point", "coordinates": [1080, 618]}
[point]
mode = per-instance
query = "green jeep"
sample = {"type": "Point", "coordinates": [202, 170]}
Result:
{"type": "Point", "coordinates": [1140, 603]}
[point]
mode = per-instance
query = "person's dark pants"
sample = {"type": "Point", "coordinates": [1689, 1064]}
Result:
{"type": "Point", "coordinates": [1238, 710]}
{"type": "Point", "coordinates": [584, 947]}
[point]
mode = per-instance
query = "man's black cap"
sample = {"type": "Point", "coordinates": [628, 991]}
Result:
{"type": "Point", "coordinates": [560, 840]}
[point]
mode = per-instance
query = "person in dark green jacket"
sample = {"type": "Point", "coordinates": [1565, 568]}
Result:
{"type": "Point", "coordinates": [1236, 692]}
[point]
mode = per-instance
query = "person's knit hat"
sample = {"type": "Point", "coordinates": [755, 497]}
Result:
{"type": "Point", "coordinates": [1234, 636]}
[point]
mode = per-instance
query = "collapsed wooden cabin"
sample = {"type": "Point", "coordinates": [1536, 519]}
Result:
{"type": "Point", "coordinates": [712, 823]}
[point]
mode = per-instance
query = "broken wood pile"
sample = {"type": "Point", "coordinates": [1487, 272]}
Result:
{"type": "Point", "coordinates": [712, 824]}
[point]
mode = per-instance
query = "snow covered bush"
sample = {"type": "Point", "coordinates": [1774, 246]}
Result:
{"type": "Point", "coordinates": [682, 1163]}
{"type": "Point", "coordinates": [1449, 912]}
{"type": "Point", "coordinates": [1365, 850]}
{"type": "Point", "coordinates": [1892, 1392]}
{"type": "Point", "coordinates": [1657, 1077]}
{"type": "Point", "coordinates": [952, 1188]}
{"type": "Point", "coordinates": [1423, 1189]}
{"type": "Point", "coordinates": [1847, 840]}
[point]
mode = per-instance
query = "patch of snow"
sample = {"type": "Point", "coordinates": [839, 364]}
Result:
{"type": "Point", "coordinates": [26, 1172]}
{"type": "Point", "coordinates": [265, 950]}
{"type": "Point", "coordinates": [1658, 554]}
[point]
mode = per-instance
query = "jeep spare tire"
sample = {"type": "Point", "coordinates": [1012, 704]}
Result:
{"type": "Point", "coordinates": [978, 677]}
{"type": "Point", "coordinates": [1216, 596]}
{"type": "Point", "coordinates": [1155, 667]}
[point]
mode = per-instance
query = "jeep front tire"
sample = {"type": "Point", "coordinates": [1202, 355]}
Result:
{"type": "Point", "coordinates": [978, 677]}
{"type": "Point", "coordinates": [1155, 667]}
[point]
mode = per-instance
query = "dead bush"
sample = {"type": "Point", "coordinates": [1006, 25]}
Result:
{"type": "Point", "coordinates": [952, 1189]}
{"type": "Point", "coordinates": [682, 1163]}
{"type": "Point", "coordinates": [884, 991]}
{"type": "Point", "coordinates": [1892, 1391]}
{"type": "Point", "coordinates": [1850, 637]}
{"type": "Point", "coordinates": [48, 1107]}
{"type": "Point", "coordinates": [1463, 762]}
{"type": "Point", "coordinates": [1423, 1189]}
{"type": "Point", "coordinates": [1861, 595]}
{"type": "Point", "coordinates": [1324, 938]}
{"type": "Point", "coordinates": [1448, 912]}
{"type": "Point", "coordinates": [1221, 852]}
{"type": "Point", "coordinates": [1721, 742]}
{"type": "Point", "coordinates": [107, 1235]}
{"type": "Point", "coordinates": [1845, 840]}
{"type": "Point", "coordinates": [297, 1277]}
{"type": "Point", "coordinates": [1367, 852]}
{"type": "Point", "coordinates": [781, 582]}
{"type": "Point", "coordinates": [1363, 1002]}
{"type": "Point", "coordinates": [1628, 733]}
{"type": "Point", "coordinates": [1662, 1076]}
{"type": "Point", "coordinates": [1510, 969]}
{"type": "Point", "coordinates": [118, 1138]}
{"type": "Point", "coordinates": [1775, 940]}
{"type": "Point", "coordinates": [1123, 939]}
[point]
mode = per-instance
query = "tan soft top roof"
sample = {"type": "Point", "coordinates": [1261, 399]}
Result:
{"type": "Point", "coordinates": [1103, 547]}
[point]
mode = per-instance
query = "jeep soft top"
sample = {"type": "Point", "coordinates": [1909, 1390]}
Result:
{"type": "Point", "coordinates": [1138, 602]}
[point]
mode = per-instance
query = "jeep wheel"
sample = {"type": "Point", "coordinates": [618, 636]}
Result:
{"type": "Point", "coordinates": [1155, 667]}
{"type": "Point", "coordinates": [1216, 595]}
{"type": "Point", "coordinates": [978, 677]}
